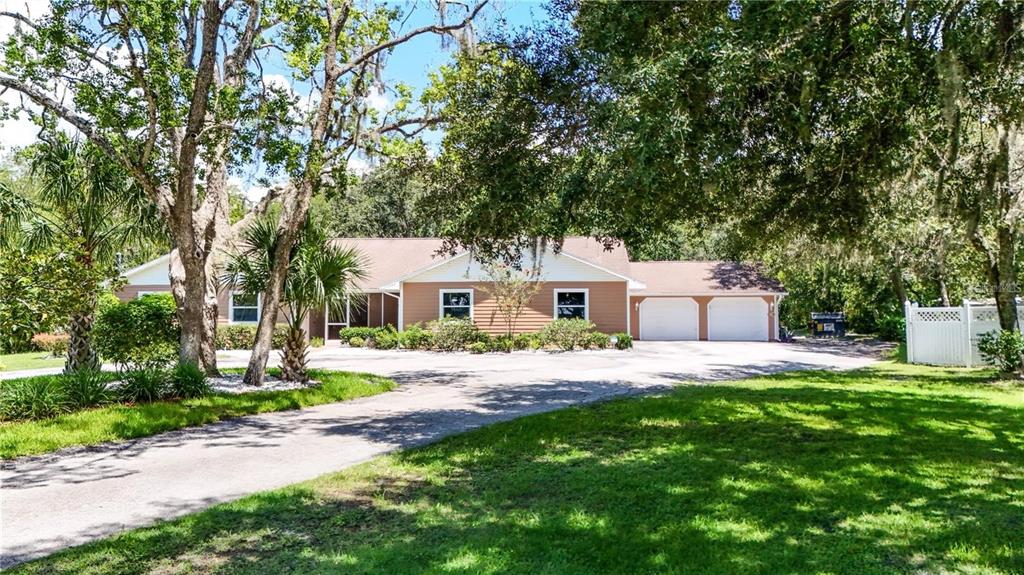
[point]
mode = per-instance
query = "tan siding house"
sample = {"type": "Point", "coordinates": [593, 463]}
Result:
{"type": "Point", "coordinates": [410, 281]}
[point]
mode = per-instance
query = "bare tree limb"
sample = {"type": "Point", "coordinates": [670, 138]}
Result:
{"type": "Point", "coordinates": [432, 29]}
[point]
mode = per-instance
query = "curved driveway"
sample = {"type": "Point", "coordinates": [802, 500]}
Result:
{"type": "Point", "coordinates": [54, 501]}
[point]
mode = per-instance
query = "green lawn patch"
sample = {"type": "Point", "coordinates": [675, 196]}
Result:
{"type": "Point", "coordinates": [895, 469]}
{"type": "Point", "coordinates": [29, 360]}
{"type": "Point", "coordinates": [120, 421]}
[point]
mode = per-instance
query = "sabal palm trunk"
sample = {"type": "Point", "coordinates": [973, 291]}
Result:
{"type": "Point", "coordinates": [81, 353]}
{"type": "Point", "coordinates": [295, 356]}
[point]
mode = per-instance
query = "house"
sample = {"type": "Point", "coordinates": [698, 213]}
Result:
{"type": "Point", "coordinates": [407, 282]}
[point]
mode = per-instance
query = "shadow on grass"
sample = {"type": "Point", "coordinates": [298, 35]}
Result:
{"type": "Point", "coordinates": [812, 472]}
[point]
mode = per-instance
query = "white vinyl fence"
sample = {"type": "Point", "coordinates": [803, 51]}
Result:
{"type": "Point", "coordinates": [949, 335]}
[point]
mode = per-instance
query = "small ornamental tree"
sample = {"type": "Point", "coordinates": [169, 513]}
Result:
{"type": "Point", "coordinates": [512, 289]}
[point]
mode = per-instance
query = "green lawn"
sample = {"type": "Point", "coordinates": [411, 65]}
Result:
{"type": "Point", "coordinates": [29, 360]}
{"type": "Point", "coordinates": [120, 421]}
{"type": "Point", "coordinates": [894, 469]}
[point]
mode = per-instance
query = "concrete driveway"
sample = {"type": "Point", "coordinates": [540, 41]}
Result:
{"type": "Point", "coordinates": [55, 501]}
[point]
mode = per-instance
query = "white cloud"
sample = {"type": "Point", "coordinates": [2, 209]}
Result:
{"type": "Point", "coordinates": [379, 101]}
{"type": "Point", "coordinates": [359, 166]}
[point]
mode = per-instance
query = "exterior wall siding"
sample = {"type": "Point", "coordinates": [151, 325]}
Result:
{"type": "Point", "coordinates": [132, 291]}
{"type": "Point", "coordinates": [607, 305]}
{"type": "Point", "coordinates": [702, 309]}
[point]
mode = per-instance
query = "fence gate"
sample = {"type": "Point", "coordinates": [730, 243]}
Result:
{"type": "Point", "coordinates": [949, 335]}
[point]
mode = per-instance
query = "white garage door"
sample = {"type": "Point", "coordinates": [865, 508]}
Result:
{"type": "Point", "coordinates": [738, 319]}
{"type": "Point", "coordinates": [668, 319]}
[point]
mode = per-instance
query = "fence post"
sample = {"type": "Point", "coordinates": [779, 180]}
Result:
{"type": "Point", "coordinates": [969, 360]}
{"type": "Point", "coordinates": [908, 326]}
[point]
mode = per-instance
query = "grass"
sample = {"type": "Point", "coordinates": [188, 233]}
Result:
{"type": "Point", "coordinates": [121, 421]}
{"type": "Point", "coordinates": [29, 360]}
{"type": "Point", "coordinates": [893, 469]}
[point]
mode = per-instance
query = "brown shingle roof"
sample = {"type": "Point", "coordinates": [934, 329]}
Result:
{"type": "Point", "coordinates": [695, 278]}
{"type": "Point", "coordinates": [390, 259]}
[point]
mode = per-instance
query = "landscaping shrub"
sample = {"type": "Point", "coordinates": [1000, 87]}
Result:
{"type": "Point", "coordinates": [316, 342]}
{"type": "Point", "coordinates": [502, 343]}
{"type": "Point", "coordinates": [145, 384]}
{"type": "Point", "coordinates": [363, 333]}
{"type": "Point", "coordinates": [234, 336]}
{"type": "Point", "coordinates": [623, 340]}
{"type": "Point", "coordinates": [387, 338]}
{"type": "Point", "coordinates": [477, 347]}
{"type": "Point", "coordinates": [86, 388]}
{"type": "Point", "coordinates": [416, 337]}
{"type": "Point", "coordinates": [188, 380]}
{"type": "Point", "coordinates": [33, 398]}
{"type": "Point", "coordinates": [598, 340]}
{"type": "Point", "coordinates": [567, 334]}
{"type": "Point", "coordinates": [138, 333]}
{"type": "Point", "coordinates": [526, 341]}
{"type": "Point", "coordinates": [1004, 349]}
{"type": "Point", "coordinates": [892, 328]}
{"type": "Point", "coordinates": [356, 341]}
{"type": "Point", "coordinates": [54, 343]}
{"type": "Point", "coordinates": [453, 334]}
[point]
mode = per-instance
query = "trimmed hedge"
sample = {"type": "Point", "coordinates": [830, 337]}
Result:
{"type": "Point", "coordinates": [235, 336]}
{"type": "Point", "coordinates": [54, 343]}
{"type": "Point", "coordinates": [137, 333]}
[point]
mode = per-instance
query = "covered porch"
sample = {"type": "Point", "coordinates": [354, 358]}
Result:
{"type": "Point", "coordinates": [367, 309]}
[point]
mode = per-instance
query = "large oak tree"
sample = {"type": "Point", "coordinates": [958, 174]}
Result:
{"type": "Point", "coordinates": [175, 91]}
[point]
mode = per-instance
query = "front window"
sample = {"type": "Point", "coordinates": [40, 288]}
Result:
{"type": "Point", "coordinates": [570, 304]}
{"type": "Point", "coordinates": [245, 308]}
{"type": "Point", "coordinates": [457, 303]}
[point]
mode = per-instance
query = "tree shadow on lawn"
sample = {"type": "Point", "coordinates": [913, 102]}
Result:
{"type": "Point", "coordinates": [733, 478]}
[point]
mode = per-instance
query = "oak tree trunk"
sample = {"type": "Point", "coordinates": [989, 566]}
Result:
{"type": "Point", "coordinates": [192, 276]}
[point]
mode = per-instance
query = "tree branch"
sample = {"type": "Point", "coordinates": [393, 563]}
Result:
{"type": "Point", "coordinates": [432, 29]}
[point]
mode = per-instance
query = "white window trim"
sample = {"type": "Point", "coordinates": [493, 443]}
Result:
{"type": "Point", "coordinates": [586, 301]}
{"type": "Point", "coordinates": [440, 300]}
{"type": "Point", "coordinates": [150, 292]}
{"type": "Point", "coordinates": [231, 309]}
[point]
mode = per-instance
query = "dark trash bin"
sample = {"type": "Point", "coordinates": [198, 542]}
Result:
{"type": "Point", "coordinates": [828, 324]}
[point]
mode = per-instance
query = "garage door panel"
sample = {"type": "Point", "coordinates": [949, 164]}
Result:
{"type": "Point", "coordinates": [738, 319]}
{"type": "Point", "coordinates": [669, 319]}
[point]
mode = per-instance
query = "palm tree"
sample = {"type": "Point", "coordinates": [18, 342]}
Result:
{"type": "Point", "coordinates": [86, 203]}
{"type": "Point", "coordinates": [319, 274]}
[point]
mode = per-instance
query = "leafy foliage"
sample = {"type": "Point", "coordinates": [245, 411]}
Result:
{"type": "Point", "coordinates": [56, 344]}
{"type": "Point", "coordinates": [568, 334]}
{"type": "Point", "coordinates": [623, 340]}
{"type": "Point", "coordinates": [416, 337]}
{"type": "Point", "coordinates": [144, 384]}
{"type": "Point", "coordinates": [236, 336]}
{"type": "Point", "coordinates": [86, 388]}
{"type": "Point", "coordinates": [1004, 349]}
{"type": "Point", "coordinates": [138, 333]}
{"type": "Point", "coordinates": [33, 398]}
{"type": "Point", "coordinates": [86, 210]}
{"type": "Point", "coordinates": [454, 334]}
{"type": "Point", "coordinates": [188, 380]}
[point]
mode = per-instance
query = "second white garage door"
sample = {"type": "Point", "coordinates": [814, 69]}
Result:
{"type": "Point", "coordinates": [668, 318]}
{"type": "Point", "coordinates": [738, 319]}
